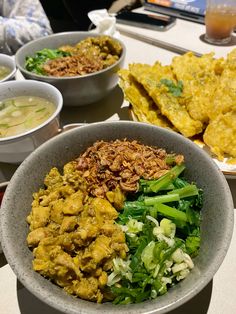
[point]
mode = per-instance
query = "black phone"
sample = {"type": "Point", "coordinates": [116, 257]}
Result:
{"type": "Point", "coordinates": [149, 21]}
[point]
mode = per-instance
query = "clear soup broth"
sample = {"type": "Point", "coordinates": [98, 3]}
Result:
{"type": "Point", "coordinates": [4, 71]}
{"type": "Point", "coordinates": [23, 113]}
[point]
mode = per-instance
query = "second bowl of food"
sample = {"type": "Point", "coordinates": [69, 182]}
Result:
{"type": "Point", "coordinates": [82, 65]}
{"type": "Point", "coordinates": [116, 217]}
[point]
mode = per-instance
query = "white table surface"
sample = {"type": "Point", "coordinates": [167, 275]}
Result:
{"type": "Point", "coordinates": [219, 295]}
{"type": "Point", "coordinates": [184, 34]}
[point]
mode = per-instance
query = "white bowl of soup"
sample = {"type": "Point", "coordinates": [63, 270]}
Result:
{"type": "Point", "coordinates": [7, 67]}
{"type": "Point", "coordinates": [29, 116]}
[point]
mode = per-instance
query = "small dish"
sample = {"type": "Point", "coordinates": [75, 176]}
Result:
{"type": "Point", "coordinates": [9, 63]}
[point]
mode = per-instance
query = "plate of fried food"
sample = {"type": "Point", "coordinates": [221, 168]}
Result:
{"type": "Point", "coordinates": [195, 96]}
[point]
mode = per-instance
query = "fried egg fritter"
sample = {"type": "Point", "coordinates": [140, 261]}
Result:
{"type": "Point", "coordinates": [220, 135]}
{"type": "Point", "coordinates": [156, 80]}
{"type": "Point", "coordinates": [200, 82]}
{"type": "Point", "coordinates": [225, 95]}
{"type": "Point", "coordinates": [142, 104]}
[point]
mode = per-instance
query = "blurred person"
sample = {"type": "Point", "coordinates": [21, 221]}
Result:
{"type": "Point", "coordinates": [72, 15]}
{"type": "Point", "coordinates": [20, 22]}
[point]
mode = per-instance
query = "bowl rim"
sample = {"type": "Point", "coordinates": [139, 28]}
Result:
{"type": "Point", "coordinates": [59, 105]}
{"type": "Point", "coordinates": [66, 34]}
{"type": "Point", "coordinates": [201, 283]}
{"type": "Point", "coordinates": [14, 69]}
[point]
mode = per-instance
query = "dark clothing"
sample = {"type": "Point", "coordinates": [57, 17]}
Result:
{"type": "Point", "coordinates": [71, 15]}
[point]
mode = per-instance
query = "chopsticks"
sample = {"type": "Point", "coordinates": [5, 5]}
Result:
{"type": "Point", "coordinates": [156, 42]}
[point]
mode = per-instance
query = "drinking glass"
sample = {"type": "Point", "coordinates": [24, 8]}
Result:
{"type": "Point", "coordinates": [220, 21]}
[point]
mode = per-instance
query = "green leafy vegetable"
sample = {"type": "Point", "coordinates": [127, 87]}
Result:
{"type": "Point", "coordinates": [161, 199]}
{"type": "Point", "coordinates": [162, 239]}
{"type": "Point", "coordinates": [35, 63]}
{"type": "Point", "coordinates": [193, 243]}
{"type": "Point", "coordinates": [175, 90]}
{"type": "Point", "coordinates": [170, 159]}
{"type": "Point", "coordinates": [171, 212]}
{"type": "Point", "coordinates": [186, 191]}
{"type": "Point", "coordinates": [163, 182]}
{"type": "Point", "coordinates": [134, 210]}
{"type": "Point", "coordinates": [41, 109]}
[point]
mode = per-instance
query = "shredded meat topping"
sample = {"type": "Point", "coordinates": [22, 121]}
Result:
{"type": "Point", "coordinates": [73, 65]}
{"type": "Point", "coordinates": [121, 163]}
{"type": "Point", "coordinates": [90, 55]}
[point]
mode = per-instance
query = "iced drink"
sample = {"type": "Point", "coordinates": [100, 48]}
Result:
{"type": "Point", "coordinates": [220, 21]}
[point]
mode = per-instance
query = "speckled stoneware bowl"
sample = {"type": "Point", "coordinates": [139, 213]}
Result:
{"type": "Point", "coordinates": [217, 218]}
{"type": "Point", "coordinates": [77, 90]}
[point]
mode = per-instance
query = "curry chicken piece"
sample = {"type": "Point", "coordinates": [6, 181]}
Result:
{"type": "Point", "coordinates": [87, 288]}
{"type": "Point", "coordinates": [99, 250]}
{"type": "Point", "coordinates": [74, 237]}
{"type": "Point", "coordinates": [38, 234]}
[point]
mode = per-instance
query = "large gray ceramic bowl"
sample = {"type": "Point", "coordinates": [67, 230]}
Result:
{"type": "Point", "coordinates": [76, 90]}
{"type": "Point", "coordinates": [217, 213]}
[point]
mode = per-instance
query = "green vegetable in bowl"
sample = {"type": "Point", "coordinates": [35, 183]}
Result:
{"type": "Point", "coordinates": [90, 55]}
{"type": "Point", "coordinates": [162, 227]}
{"type": "Point", "coordinates": [35, 63]}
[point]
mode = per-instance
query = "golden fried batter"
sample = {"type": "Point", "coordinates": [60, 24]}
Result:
{"type": "Point", "coordinates": [220, 134]}
{"type": "Point", "coordinates": [200, 82]}
{"type": "Point", "coordinates": [197, 91]}
{"type": "Point", "coordinates": [150, 77]}
{"type": "Point", "coordinates": [225, 95]}
{"type": "Point", "coordinates": [143, 105]}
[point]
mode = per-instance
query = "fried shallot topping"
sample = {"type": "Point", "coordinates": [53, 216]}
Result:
{"type": "Point", "coordinates": [107, 166]}
{"type": "Point", "coordinates": [73, 65]}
